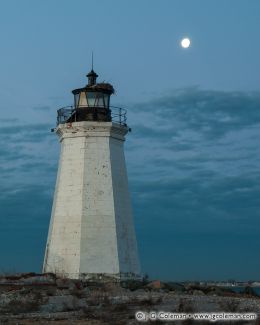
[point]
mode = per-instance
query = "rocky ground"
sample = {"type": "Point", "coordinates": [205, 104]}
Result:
{"type": "Point", "coordinates": [45, 299]}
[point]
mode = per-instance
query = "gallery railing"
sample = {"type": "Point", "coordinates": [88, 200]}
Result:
{"type": "Point", "coordinates": [67, 114]}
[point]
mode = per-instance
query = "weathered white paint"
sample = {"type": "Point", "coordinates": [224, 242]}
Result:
{"type": "Point", "coordinates": [91, 230]}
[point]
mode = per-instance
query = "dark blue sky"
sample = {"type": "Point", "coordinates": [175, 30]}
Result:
{"type": "Point", "coordinates": [193, 156]}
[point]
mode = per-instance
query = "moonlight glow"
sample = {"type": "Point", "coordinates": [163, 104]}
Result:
{"type": "Point", "coordinates": [185, 43]}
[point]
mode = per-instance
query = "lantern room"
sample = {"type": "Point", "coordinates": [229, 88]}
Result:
{"type": "Point", "coordinates": [91, 103]}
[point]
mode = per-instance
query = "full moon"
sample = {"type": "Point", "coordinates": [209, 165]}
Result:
{"type": "Point", "coordinates": [185, 43]}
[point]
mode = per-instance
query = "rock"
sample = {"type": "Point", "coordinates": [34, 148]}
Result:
{"type": "Point", "coordinates": [198, 293]}
{"type": "Point", "coordinates": [65, 284]}
{"type": "Point", "coordinates": [157, 284]}
{"type": "Point", "coordinates": [79, 285]}
{"type": "Point", "coordinates": [249, 291]}
{"type": "Point", "coordinates": [38, 279]}
{"type": "Point", "coordinates": [63, 303]}
{"type": "Point", "coordinates": [140, 292]}
{"type": "Point", "coordinates": [172, 286]}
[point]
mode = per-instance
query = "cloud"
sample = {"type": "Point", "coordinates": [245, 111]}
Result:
{"type": "Point", "coordinates": [28, 154]}
{"type": "Point", "coordinates": [195, 203]}
{"type": "Point", "coordinates": [190, 130]}
{"type": "Point", "coordinates": [9, 120]}
{"type": "Point", "coordinates": [193, 162]}
{"type": "Point", "coordinates": [212, 113]}
{"type": "Point", "coordinates": [25, 129]}
{"type": "Point", "coordinates": [193, 167]}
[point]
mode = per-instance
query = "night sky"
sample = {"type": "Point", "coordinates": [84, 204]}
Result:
{"type": "Point", "coordinates": [193, 155]}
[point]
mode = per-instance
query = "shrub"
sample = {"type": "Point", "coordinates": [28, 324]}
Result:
{"type": "Point", "coordinates": [132, 284]}
{"type": "Point", "coordinates": [229, 305]}
{"type": "Point", "coordinates": [17, 307]}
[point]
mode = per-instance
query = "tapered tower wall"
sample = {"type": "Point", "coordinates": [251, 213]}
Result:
{"type": "Point", "coordinates": [127, 246]}
{"type": "Point", "coordinates": [91, 230]}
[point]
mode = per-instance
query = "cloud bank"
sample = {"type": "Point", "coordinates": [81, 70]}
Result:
{"type": "Point", "coordinates": [193, 164]}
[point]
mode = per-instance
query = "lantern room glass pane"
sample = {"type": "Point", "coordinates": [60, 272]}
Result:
{"type": "Point", "coordinates": [82, 99]}
{"type": "Point", "coordinates": [99, 100]}
{"type": "Point", "coordinates": [91, 99]}
{"type": "Point", "coordinates": [106, 98]}
{"type": "Point", "coordinates": [76, 100]}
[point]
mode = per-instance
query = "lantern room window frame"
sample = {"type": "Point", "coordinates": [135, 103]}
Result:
{"type": "Point", "coordinates": [87, 98]}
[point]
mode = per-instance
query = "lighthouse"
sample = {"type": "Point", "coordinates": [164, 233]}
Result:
{"type": "Point", "coordinates": [91, 232]}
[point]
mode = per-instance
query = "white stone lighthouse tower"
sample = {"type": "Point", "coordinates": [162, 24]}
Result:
{"type": "Point", "coordinates": [91, 233]}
